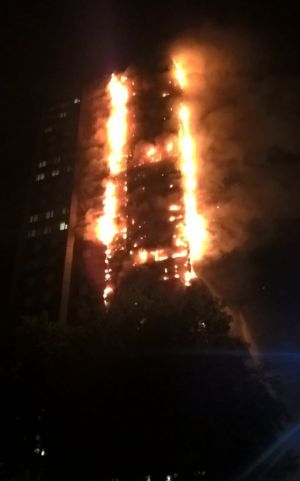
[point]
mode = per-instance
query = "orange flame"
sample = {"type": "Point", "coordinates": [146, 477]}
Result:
{"type": "Point", "coordinates": [117, 123]}
{"type": "Point", "coordinates": [180, 75]}
{"type": "Point", "coordinates": [109, 227]}
{"type": "Point", "coordinates": [195, 229]}
{"type": "Point", "coordinates": [106, 225]}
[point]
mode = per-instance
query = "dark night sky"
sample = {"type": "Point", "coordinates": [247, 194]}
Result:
{"type": "Point", "coordinates": [50, 49]}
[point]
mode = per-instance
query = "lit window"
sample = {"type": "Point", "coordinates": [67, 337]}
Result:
{"type": "Point", "coordinates": [49, 214]}
{"type": "Point", "coordinates": [47, 230]}
{"type": "Point", "coordinates": [31, 233]}
{"type": "Point", "coordinates": [55, 172]}
{"type": "Point", "coordinates": [64, 210]}
{"type": "Point", "coordinates": [40, 177]}
{"type": "Point", "coordinates": [47, 130]}
{"type": "Point", "coordinates": [62, 115]}
{"type": "Point", "coordinates": [33, 218]}
{"type": "Point", "coordinates": [42, 164]}
{"type": "Point", "coordinates": [63, 226]}
{"type": "Point", "coordinates": [76, 100]}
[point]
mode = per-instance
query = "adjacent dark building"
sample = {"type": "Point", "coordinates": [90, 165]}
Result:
{"type": "Point", "coordinates": [45, 256]}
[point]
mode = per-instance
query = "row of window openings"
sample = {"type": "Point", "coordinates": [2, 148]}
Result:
{"type": "Point", "coordinates": [48, 215]}
{"type": "Point", "coordinates": [54, 173]}
{"type": "Point", "coordinates": [46, 230]}
{"type": "Point", "coordinates": [56, 160]}
{"type": "Point", "coordinates": [61, 115]}
{"type": "Point", "coordinates": [49, 129]}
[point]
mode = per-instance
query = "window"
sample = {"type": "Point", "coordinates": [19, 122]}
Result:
{"type": "Point", "coordinates": [69, 168]}
{"type": "Point", "coordinates": [40, 177]}
{"type": "Point", "coordinates": [47, 230]}
{"type": "Point", "coordinates": [76, 100]}
{"type": "Point", "coordinates": [31, 233]}
{"type": "Point", "coordinates": [55, 173]}
{"type": "Point", "coordinates": [49, 214]}
{"type": "Point", "coordinates": [42, 164]}
{"type": "Point", "coordinates": [64, 210]}
{"type": "Point", "coordinates": [33, 218]}
{"type": "Point", "coordinates": [57, 159]}
{"type": "Point", "coordinates": [47, 130]}
{"type": "Point", "coordinates": [62, 115]}
{"type": "Point", "coordinates": [63, 226]}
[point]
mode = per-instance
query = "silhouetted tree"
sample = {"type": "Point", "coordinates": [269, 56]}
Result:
{"type": "Point", "coordinates": [159, 385]}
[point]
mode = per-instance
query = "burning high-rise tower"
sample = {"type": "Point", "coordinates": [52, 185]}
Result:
{"type": "Point", "coordinates": [133, 202]}
{"type": "Point", "coordinates": [143, 154]}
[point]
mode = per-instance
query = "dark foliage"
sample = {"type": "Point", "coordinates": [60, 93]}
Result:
{"type": "Point", "coordinates": [157, 386]}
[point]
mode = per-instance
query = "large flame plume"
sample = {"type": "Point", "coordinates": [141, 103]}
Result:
{"type": "Point", "coordinates": [176, 152]}
{"type": "Point", "coordinates": [195, 229]}
{"type": "Point", "coordinates": [110, 225]}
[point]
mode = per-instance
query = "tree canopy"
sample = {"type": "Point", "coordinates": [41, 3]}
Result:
{"type": "Point", "coordinates": [157, 386]}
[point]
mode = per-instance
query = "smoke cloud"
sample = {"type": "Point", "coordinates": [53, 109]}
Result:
{"type": "Point", "coordinates": [246, 119]}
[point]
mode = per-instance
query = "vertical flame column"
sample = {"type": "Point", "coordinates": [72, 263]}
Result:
{"type": "Point", "coordinates": [112, 226]}
{"type": "Point", "coordinates": [194, 228]}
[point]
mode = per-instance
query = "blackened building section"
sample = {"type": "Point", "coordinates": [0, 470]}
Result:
{"type": "Point", "coordinates": [87, 279]}
{"type": "Point", "coordinates": [45, 254]}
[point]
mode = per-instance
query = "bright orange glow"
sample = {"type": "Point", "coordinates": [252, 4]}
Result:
{"type": "Point", "coordinates": [143, 256]}
{"type": "Point", "coordinates": [151, 151]}
{"type": "Point", "coordinates": [180, 74]}
{"type": "Point", "coordinates": [159, 255]}
{"type": "Point", "coordinates": [183, 253]}
{"type": "Point", "coordinates": [194, 229]}
{"type": "Point", "coordinates": [174, 207]}
{"type": "Point", "coordinates": [189, 276]}
{"type": "Point", "coordinates": [195, 225]}
{"type": "Point", "coordinates": [106, 228]}
{"type": "Point", "coordinates": [110, 225]}
{"type": "Point", "coordinates": [169, 147]}
{"type": "Point", "coordinates": [117, 123]}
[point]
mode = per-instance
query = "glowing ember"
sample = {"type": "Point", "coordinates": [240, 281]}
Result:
{"type": "Point", "coordinates": [169, 147]}
{"type": "Point", "coordinates": [174, 207]}
{"type": "Point", "coordinates": [151, 151]}
{"type": "Point", "coordinates": [143, 256]}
